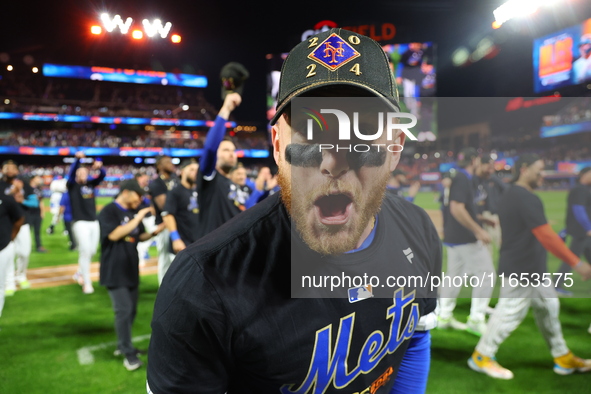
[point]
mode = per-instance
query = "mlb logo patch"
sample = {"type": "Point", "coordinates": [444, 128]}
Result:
{"type": "Point", "coordinates": [360, 293]}
{"type": "Point", "coordinates": [334, 52]}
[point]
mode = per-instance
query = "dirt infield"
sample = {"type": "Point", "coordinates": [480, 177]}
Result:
{"type": "Point", "coordinates": [62, 274]}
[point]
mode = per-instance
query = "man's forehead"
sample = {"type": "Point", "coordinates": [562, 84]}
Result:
{"type": "Point", "coordinates": [227, 145]}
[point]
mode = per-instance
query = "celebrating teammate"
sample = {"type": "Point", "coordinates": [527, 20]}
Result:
{"type": "Point", "coordinates": [57, 188]}
{"type": "Point", "coordinates": [217, 194]}
{"type": "Point", "coordinates": [85, 225]}
{"type": "Point", "coordinates": [121, 230]}
{"type": "Point", "coordinates": [158, 189]}
{"type": "Point", "coordinates": [24, 195]}
{"type": "Point", "coordinates": [224, 319]}
{"type": "Point", "coordinates": [397, 180]}
{"type": "Point", "coordinates": [11, 220]}
{"type": "Point", "coordinates": [578, 225]}
{"type": "Point", "coordinates": [181, 211]}
{"type": "Point", "coordinates": [522, 262]}
{"type": "Point", "coordinates": [466, 243]}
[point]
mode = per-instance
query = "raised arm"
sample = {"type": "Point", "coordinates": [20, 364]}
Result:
{"type": "Point", "coordinates": [216, 133]}
{"type": "Point", "coordinates": [73, 168]}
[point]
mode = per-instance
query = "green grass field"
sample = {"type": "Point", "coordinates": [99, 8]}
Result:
{"type": "Point", "coordinates": [43, 329]}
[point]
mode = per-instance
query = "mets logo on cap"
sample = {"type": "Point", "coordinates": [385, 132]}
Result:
{"type": "Point", "coordinates": [334, 52]}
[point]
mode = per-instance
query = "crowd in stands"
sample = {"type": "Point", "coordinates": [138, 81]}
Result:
{"type": "Point", "coordinates": [35, 93]}
{"type": "Point", "coordinates": [118, 139]}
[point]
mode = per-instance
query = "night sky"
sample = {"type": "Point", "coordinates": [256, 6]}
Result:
{"type": "Point", "coordinates": [217, 32]}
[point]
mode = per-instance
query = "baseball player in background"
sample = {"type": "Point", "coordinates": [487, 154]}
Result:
{"type": "Point", "coordinates": [397, 180]}
{"type": "Point", "coordinates": [526, 282]}
{"type": "Point", "coordinates": [23, 194]}
{"type": "Point", "coordinates": [11, 220]}
{"type": "Point", "coordinates": [578, 225]}
{"type": "Point", "coordinates": [85, 225]}
{"type": "Point", "coordinates": [467, 252]}
{"type": "Point", "coordinates": [158, 189]}
{"type": "Point", "coordinates": [181, 211]}
{"type": "Point", "coordinates": [226, 319]}
{"type": "Point", "coordinates": [57, 188]}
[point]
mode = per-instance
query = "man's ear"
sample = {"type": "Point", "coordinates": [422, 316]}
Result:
{"type": "Point", "coordinates": [275, 141]}
{"type": "Point", "coordinates": [400, 139]}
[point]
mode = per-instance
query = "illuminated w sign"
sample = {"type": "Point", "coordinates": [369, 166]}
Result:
{"type": "Point", "coordinates": [156, 27]}
{"type": "Point", "coordinates": [111, 24]}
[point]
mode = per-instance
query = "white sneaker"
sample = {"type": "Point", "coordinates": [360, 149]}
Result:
{"type": "Point", "coordinates": [131, 362]}
{"type": "Point", "coordinates": [450, 323]}
{"type": "Point", "coordinates": [476, 327]}
{"type": "Point", "coordinates": [88, 289]}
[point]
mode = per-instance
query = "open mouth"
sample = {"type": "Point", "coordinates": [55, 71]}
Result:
{"type": "Point", "coordinates": [334, 209]}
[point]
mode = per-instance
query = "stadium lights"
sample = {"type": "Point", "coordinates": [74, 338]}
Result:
{"type": "Point", "coordinates": [175, 38]}
{"type": "Point", "coordinates": [137, 34]}
{"type": "Point", "coordinates": [516, 8]}
{"type": "Point", "coordinates": [96, 30]}
{"type": "Point", "coordinates": [156, 27]}
{"type": "Point", "coordinates": [9, 67]}
{"type": "Point", "coordinates": [111, 24]}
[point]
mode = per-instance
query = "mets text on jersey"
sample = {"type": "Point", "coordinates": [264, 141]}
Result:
{"type": "Point", "coordinates": [331, 369]}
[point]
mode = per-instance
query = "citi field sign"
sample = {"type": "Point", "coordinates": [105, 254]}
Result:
{"type": "Point", "coordinates": [378, 32]}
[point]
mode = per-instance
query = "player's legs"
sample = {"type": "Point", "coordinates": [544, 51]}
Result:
{"type": "Point", "coordinates": [449, 292]}
{"type": "Point", "coordinates": [68, 226]}
{"type": "Point", "coordinates": [511, 309]}
{"type": "Point", "coordinates": [413, 372]}
{"type": "Point", "coordinates": [546, 312]}
{"type": "Point", "coordinates": [55, 217]}
{"type": "Point", "coordinates": [22, 245]}
{"type": "Point", "coordinates": [481, 266]}
{"type": "Point", "coordinates": [10, 281]}
{"type": "Point", "coordinates": [124, 301]}
{"type": "Point", "coordinates": [84, 236]}
{"type": "Point", "coordinates": [6, 259]}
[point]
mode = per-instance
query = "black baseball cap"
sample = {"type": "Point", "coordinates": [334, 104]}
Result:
{"type": "Point", "coordinates": [233, 76]}
{"type": "Point", "coordinates": [336, 57]}
{"type": "Point", "coordinates": [132, 185]}
{"type": "Point", "coordinates": [466, 156]}
{"type": "Point", "coordinates": [525, 160]}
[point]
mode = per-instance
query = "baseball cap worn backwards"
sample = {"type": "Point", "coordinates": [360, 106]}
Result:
{"type": "Point", "coordinates": [336, 57]}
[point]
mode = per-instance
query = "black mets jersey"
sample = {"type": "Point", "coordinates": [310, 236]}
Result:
{"type": "Point", "coordinates": [462, 191]}
{"type": "Point", "coordinates": [10, 213]}
{"type": "Point", "coordinates": [183, 205]}
{"type": "Point", "coordinates": [220, 199]}
{"type": "Point", "coordinates": [225, 321]}
{"type": "Point", "coordinates": [119, 259]}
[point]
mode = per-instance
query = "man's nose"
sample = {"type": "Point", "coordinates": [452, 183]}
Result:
{"type": "Point", "coordinates": [334, 164]}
